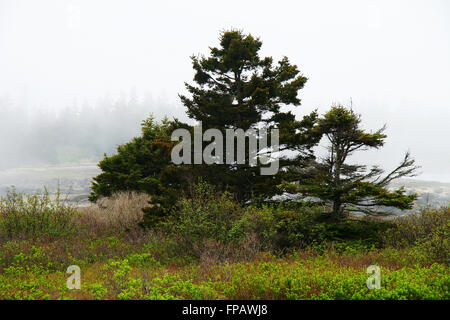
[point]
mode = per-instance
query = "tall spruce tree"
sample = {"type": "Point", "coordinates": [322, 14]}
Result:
{"type": "Point", "coordinates": [351, 187]}
{"type": "Point", "coordinates": [237, 89]}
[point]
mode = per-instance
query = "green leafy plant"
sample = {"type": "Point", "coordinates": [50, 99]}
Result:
{"type": "Point", "coordinates": [31, 216]}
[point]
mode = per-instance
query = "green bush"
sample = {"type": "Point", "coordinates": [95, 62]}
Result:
{"type": "Point", "coordinates": [31, 216]}
{"type": "Point", "coordinates": [436, 245]}
{"type": "Point", "coordinates": [259, 222]}
{"type": "Point", "coordinates": [411, 229]}
{"type": "Point", "coordinates": [209, 221]}
{"type": "Point", "coordinates": [279, 227]}
{"type": "Point", "coordinates": [213, 222]}
{"type": "Point", "coordinates": [426, 232]}
{"type": "Point", "coordinates": [362, 232]}
{"type": "Point", "coordinates": [205, 215]}
{"type": "Point", "coordinates": [299, 227]}
{"type": "Point", "coordinates": [304, 226]}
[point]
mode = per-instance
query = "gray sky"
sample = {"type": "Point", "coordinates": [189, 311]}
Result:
{"type": "Point", "coordinates": [390, 57]}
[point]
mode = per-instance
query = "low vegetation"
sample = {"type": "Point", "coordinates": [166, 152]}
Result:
{"type": "Point", "coordinates": [211, 247]}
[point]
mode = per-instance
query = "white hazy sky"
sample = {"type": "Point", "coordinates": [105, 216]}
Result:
{"type": "Point", "coordinates": [392, 58]}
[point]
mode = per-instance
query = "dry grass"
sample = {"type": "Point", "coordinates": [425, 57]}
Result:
{"type": "Point", "coordinates": [212, 251]}
{"type": "Point", "coordinates": [122, 211]}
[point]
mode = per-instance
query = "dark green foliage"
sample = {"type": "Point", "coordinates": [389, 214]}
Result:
{"type": "Point", "coordinates": [309, 226]}
{"type": "Point", "coordinates": [143, 164]}
{"type": "Point", "coordinates": [237, 89]}
{"type": "Point", "coordinates": [366, 232]}
{"type": "Point", "coordinates": [298, 228]}
{"type": "Point", "coordinates": [138, 164]}
{"type": "Point", "coordinates": [351, 187]}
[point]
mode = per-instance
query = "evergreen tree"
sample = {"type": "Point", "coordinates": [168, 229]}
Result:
{"type": "Point", "coordinates": [138, 164]}
{"type": "Point", "coordinates": [143, 164]}
{"type": "Point", "coordinates": [351, 187]}
{"type": "Point", "coordinates": [237, 89]}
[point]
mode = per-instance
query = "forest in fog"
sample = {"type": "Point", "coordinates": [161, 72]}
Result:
{"type": "Point", "coordinates": [80, 133]}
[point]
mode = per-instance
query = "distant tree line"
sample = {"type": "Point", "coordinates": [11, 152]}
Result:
{"type": "Point", "coordinates": [31, 136]}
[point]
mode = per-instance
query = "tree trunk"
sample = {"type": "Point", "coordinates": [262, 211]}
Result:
{"type": "Point", "coordinates": [337, 209]}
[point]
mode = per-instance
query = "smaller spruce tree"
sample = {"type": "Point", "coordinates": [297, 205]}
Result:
{"type": "Point", "coordinates": [351, 187]}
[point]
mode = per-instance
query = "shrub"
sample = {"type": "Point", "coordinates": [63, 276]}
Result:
{"type": "Point", "coordinates": [413, 228]}
{"type": "Point", "coordinates": [279, 227]}
{"type": "Point", "coordinates": [365, 232]}
{"type": "Point", "coordinates": [31, 216]}
{"type": "Point", "coordinates": [258, 223]}
{"type": "Point", "coordinates": [212, 225]}
{"type": "Point", "coordinates": [299, 227]}
{"type": "Point", "coordinates": [120, 212]}
{"type": "Point", "coordinates": [205, 215]}
{"type": "Point", "coordinates": [436, 245]}
{"type": "Point", "coordinates": [304, 225]}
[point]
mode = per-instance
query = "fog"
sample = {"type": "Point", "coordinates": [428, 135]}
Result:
{"type": "Point", "coordinates": [78, 77]}
{"type": "Point", "coordinates": [77, 134]}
